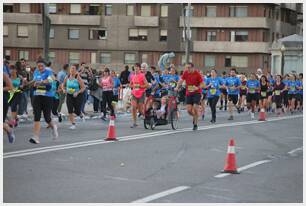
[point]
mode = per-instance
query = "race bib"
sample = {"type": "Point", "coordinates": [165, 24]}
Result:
{"type": "Point", "coordinates": [292, 88]}
{"type": "Point", "coordinates": [252, 90]}
{"type": "Point", "coordinates": [173, 84]}
{"type": "Point", "coordinates": [277, 92]}
{"type": "Point", "coordinates": [243, 87]}
{"type": "Point", "coordinates": [71, 90]}
{"type": "Point", "coordinates": [263, 94]}
{"type": "Point", "coordinates": [213, 91]}
{"type": "Point", "coordinates": [137, 86]}
{"type": "Point", "coordinates": [190, 88]}
{"type": "Point", "coordinates": [41, 90]}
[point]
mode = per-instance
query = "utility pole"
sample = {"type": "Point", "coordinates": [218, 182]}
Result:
{"type": "Point", "coordinates": [46, 23]}
{"type": "Point", "coordinates": [187, 31]}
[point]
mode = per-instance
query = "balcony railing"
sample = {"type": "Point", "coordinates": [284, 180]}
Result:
{"type": "Point", "coordinates": [150, 21]}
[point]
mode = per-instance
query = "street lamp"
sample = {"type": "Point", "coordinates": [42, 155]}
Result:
{"type": "Point", "coordinates": [283, 59]}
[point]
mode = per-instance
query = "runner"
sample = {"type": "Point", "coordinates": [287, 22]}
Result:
{"type": "Point", "coordinates": [286, 102]}
{"type": "Point", "coordinates": [223, 96]}
{"type": "Point", "coordinates": [42, 100]}
{"type": "Point", "coordinates": [292, 88]}
{"type": "Point", "coordinates": [194, 85]}
{"type": "Point", "coordinates": [117, 87]}
{"type": "Point", "coordinates": [263, 95]}
{"type": "Point", "coordinates": [61, 77]}
{"type": "Point", "coordinates": [204, 94]}
{"type": "Point", "coordinates": [242, 93]}
{"type": "Point", "coordinates": [7, 86]}
{"type": "Point", "coordinates": [56, 89]}
{"type": "Point", "coordinates": [213, 85]}
{"type": "Point", "coordinates": [278, 90]}
{"type": "Point", "coordinates": [18, 84]}
{"type": "Point", "coordinates": [139, 85]}
{"type": "Point", "coordinates": [252, 94]}
{"type": "Point", "coordinates": [299, 95]}
{"type": "Point", "coordinates": [107, 85]}
{"type": "Point", "coordinates": [73, 86]}
{"type": "Point", "coordinates": [270, 91]}
{"type": "Point", "coordinates": [233, 86]}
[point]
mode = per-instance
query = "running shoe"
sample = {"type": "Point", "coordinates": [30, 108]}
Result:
{"type": "Point", "coordinates": [231, 117]}
{"type": "Point", "coordinates": [104, 118]}
{"type": "Point", "coordinates": [212, 121]}
{"type": "Point", "coordinates": [60, 118]}
{"type": "Point", "coordinates": [34, 140]}
{"type": "Point", "coordinates": [72, 127]}
{"type": "Point", "coordinates": [238, 110]}
{"type": "Point", "coordinates": [203, 116]}
{"type": "Point", "coordinates": [134, 125]}
{"type": "Point", "coordinates": [54, 131]}
{"type": "Point", "coordinates": [252, 115]}
{"type": "Point", "coordinates": [11, 137]}
{"type": "Point", "coordinates": [195, 127]}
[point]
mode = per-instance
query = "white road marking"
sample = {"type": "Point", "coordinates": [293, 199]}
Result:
{"type": "Point", "coordinates": [295, 150]}
{"type": "Point", "coordinates": [124, 179]}
{"type": "Point", "coordinates": [133, 137]}
{"type": "Point", "coordinates": [161, 194]}
{"type": "Point", "coordinates": [219, 197]}
{"type": "Point", "coordinates": [244, 168]}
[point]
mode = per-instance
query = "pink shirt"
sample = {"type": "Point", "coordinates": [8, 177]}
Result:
{"type": "Point", "coordinates": [107, 83]}
{"type": "Point", "coordinates": [138, 81]}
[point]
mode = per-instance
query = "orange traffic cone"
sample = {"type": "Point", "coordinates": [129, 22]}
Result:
{"type": "Point", "coordinates": [111, 133]}
{"type": "Point", "coordinates": [230, 164]}
{"type": "Point", "coordinates": [262, 115]}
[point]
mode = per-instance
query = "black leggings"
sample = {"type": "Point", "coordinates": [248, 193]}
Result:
{"type": "Point", "coordinates": [55, 106]}
{"type": "Point", "coordinates": [107, 97]}
{"type": "Point", "coordinates": [42, 104]}
{"type": "Point", "coordinates": [5, 104]}
{"type": "Point", "coordinates": [15, 102]}
{"type": "Point", "coordinates": [212, 103]}
{"type": "Point", "coordinates": [74, 104]}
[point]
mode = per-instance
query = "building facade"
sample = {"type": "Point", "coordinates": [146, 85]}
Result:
{"type": "Point", "coordinates": [113, 35]}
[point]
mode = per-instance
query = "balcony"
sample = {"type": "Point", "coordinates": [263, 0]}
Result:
{"type": "Point", "coordinates": [227, 22]}
{"type": "Point", "coordinates": [146, 21]}
{"type": "Point", "coordinates": [75, 20]}
{"type": "Point", "coordinates": [22, 18]}
{"type": "Point", "coordinates": [231, 47]}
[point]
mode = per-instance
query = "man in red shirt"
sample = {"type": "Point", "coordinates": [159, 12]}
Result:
{"type": "Point", "coordinates": [194, 85]}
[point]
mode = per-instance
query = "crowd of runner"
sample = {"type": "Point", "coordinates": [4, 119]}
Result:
{"type": "Point", "coordinates": [76, 84]}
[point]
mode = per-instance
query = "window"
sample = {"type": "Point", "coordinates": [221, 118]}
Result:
{"type": "Point", "coordinates": [228, 61]}
{"type": "Point", "coordinates": [190, 12]}
{"type": "Point", "coordinates": [24, 8]}
{"type": "Point", "coordinates": [94, 9]}
{"type": "Point", "coordinates": [145, 10]}
{"type": "Point", "coordinates": [238, 11]}
{"type": "Point", "coordinates": [163, 35]}
{"type": "Point", "coordinates": [74, 33]}
{"type": "Point", "coordinates": [52, 8]}
{"type": "Point", "coordinates": [164, 11]}
{"type": "Point", "coordinates": [144, 58]}
{"type": "Point", "coordinates": [22, 31]}
{"type": "Point", "coordinates": [105, 58]}
{"type": "Point", "coordinates": [108, 10]}
{"type": "Point", "coordinates": [5, 30]}
{"type": "Point", "coordinates": [93, 57]}
{"type": "Point", "coordinates": [130, 10]}
{"type": "Point", "coordinates": [211, 11]}
{"type": "Point", "coordinates": [75, 8]}
{"type": "Point", "coordinates": [51, 36]}
{"type": "Point", "coordinates": [210, 61]}
{"type": "Point", "coordinates": [129, 58]}
{"type": "Point", "coordinates": [97, 34]}
{"type": "Point", "coordinates": [7, 54]}
{"type": "Point", "coordinates": [138, 34]}
{"type": "Point", "coordinates": [239, 61]}
{"type": "Point", "coordinates": [51, 56]}
{"type": "Point", "coordinates": [8, 8]}
{"type": "Point", "coordinates": [211, 36]}
{"type": "Point", "coordinates": [241, 36]}
{"type": "Point", "coordinates": [184, 59]}
{"type": "Point", "coordinates": [24, 55]}
{"type": "Point", "coordinates": [74, 57]}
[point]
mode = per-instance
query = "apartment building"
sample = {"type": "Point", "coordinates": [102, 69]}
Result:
{"type": "Point", "coordinates": [223, 35]}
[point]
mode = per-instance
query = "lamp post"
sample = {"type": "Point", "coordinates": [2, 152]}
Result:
{"type": "Point", "coordinates": [283, 59]}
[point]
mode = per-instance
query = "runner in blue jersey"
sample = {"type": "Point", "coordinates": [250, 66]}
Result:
{"type": "Point", "coordinates": [233, 84]}
{"type": "Point", "coordinates": [42, 100]}
{"type": "Point", "coordinates": [213, 85]}
{"type": "Point", "coordinates": [292, 90]}
{"type": "Point", "coordinates": [56, 89]}
{"type": "Point", "coordinates": [299, 95]}
{"type": "Point", "coordinates": [252, 93]}
{"type": "Point", "coordinates": [117, 87]}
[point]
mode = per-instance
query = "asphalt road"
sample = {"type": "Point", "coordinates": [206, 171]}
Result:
{"type": "Point", "coordinates": [163, 165]}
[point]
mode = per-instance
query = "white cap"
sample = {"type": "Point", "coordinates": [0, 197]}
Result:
{"type": "Point", "coordinates": [144, 65]}
{"type": "Point", "coordinates": [259, 70]}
